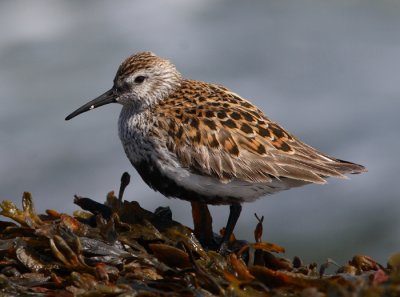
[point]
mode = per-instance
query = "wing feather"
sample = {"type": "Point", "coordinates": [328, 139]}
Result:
{"type": "Point", "coordinates": [213, 131]}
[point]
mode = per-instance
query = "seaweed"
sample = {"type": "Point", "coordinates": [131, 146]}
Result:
{"type": "Point", "coordinates": [120, 249]}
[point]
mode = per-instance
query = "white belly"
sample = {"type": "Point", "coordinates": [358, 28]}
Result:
{"type": "Point", "coordinates": [209, 186]}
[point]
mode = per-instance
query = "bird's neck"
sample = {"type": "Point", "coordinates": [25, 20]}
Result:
{"type": "Point", "coordinates": [133, 122]}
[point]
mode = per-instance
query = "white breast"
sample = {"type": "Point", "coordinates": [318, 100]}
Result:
{"type": "Point", "coordinates": [133, 130]}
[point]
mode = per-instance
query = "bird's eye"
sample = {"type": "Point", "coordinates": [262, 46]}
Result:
{"type": "Point", "coordinates": [139, 79]}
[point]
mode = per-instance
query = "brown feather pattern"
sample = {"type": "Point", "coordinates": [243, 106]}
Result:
{"type": "Point", "coordinates": [215, 132]}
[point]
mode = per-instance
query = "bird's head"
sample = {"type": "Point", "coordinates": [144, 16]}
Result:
{"type": "Point", "coordinates": [141, 80]}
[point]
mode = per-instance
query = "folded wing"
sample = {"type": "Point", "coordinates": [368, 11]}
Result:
{"type": "Point", "coordinates": [215, 132]}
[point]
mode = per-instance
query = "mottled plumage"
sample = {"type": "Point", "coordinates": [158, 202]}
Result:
{"type": "Point", "coordinates": [199, 141]}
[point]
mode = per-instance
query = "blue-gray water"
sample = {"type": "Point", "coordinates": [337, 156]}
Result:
{"type": "Point", "coordinates": [328, 71]}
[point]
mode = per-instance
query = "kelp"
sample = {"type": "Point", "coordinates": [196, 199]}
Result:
{"type": "Point", "coordinates": [120, 249]}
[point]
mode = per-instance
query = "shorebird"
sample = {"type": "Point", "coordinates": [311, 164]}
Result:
{"type": "Point", "coordinates": [202, 142]}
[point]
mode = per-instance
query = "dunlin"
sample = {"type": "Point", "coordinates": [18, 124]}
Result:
{"type": "Point", "coordinates": [202, 142]}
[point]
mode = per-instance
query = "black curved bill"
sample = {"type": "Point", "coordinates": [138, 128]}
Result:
{"type": "Point", "coordinates": [106, 98]}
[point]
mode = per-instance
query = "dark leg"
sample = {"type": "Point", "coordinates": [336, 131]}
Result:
{"type": "Point", "coordinates": [234, 213]}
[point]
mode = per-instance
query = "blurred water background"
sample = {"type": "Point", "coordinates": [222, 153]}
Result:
{"type": "Point", "coordinates": [328, 71]}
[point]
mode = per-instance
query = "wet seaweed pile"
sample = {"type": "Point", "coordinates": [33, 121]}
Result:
{"type": "Point", "coordinates": [121, 249]}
